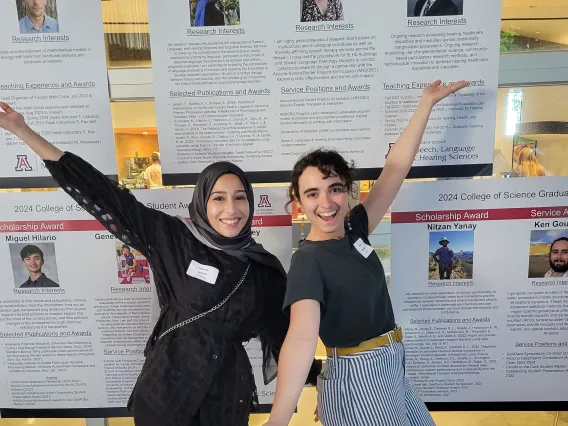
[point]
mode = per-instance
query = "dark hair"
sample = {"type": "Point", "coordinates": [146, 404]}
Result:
{"type": "Point", "coordinates": [29, 250]}
{"type": "Point", "coordinates": [556, 240]}
{"type": "Point", "coordinates": [329, 163]}
{"type": "Point", "coordinates": [124, 246]}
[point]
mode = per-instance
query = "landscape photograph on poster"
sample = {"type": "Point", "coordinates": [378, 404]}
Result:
{"type": "Point", "coordinates": [450, 255]}
{"type": "Point", "coordinates": [548, 254]}
{"type": "Point", "coordinates": [132, 267]}
{"type": "Point", "coordinates": [34, 265]}
{"type": "Point", "coordinates": [214, 13]}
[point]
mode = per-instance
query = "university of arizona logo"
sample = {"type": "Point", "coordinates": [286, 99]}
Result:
{"type": "Point", "coordinates": [264, 201]}
{"type": "Point", "coordinates": [22, 164]}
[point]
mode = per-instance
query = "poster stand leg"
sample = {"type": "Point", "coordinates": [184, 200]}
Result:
{"type": "Point", "coordinates": [97, 422]}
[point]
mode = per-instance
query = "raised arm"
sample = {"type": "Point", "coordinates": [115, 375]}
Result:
{"type": "Point", "coordinates": [114, 206]}
{"type": "Point", "coordinates": [14, 122]}
{"type": "Point", "coordinates": [403, 152]}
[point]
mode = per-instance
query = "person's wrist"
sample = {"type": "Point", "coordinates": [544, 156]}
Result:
{"type": "Point", "coordinates": [21, 129]}
{"type": "Point", "coordinates": [426, 102]}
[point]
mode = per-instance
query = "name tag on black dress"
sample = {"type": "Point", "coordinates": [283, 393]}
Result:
{"type": "Point", "coordinates": [202, 272]}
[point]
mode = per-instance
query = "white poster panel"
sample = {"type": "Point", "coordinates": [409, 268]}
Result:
{"type": "Point", "coordinates": [54, 73]}
{"type": "Point", "coordinates": [259, 83]}
{"type": "Point", "coordinates": [480, 287]}
{"type": "Point", "coordinates": [78, 341]}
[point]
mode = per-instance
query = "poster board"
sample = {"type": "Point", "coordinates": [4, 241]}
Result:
{"type": "Point", "coordinates": [74, 347]}
{"type": "Point", "coordinates": [55, 75]}
{"type": "Point", "coordinates": [261, 83]}
{"type": "Point", "coordinates": [482, 308]}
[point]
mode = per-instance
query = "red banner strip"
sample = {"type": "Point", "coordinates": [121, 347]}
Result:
{"type": "Point", "coordinates": [477, 215]}
{"type": "Point", "coordinates": [93, 225]}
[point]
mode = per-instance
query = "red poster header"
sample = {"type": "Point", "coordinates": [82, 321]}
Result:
{"type": "Point", "coordinates": [93, 225]}
{"type": "Point", "coordinates": [480, 215]}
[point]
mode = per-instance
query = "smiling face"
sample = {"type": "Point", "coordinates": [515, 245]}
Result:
{"type": "Point", "coordinates": [228, 206]}
{"type": "Point", "coordinates": [559, 256]}
{"type": "Point", "coordinates": [325, 202]}
{"type": "Point", "coordinates": [33, 263]}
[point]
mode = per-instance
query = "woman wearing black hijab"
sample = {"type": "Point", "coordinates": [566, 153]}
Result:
{"type": "Point", "coordinates": [216, 287]}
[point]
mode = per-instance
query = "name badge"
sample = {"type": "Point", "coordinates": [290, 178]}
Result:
{"type": "Point", "coordinates": [202, 272]}
{"type": "Point", "coordinates": [363, 248]}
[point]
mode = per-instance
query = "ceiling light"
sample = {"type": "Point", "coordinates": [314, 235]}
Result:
{"type": "Point", "coordinates": [144, 133]}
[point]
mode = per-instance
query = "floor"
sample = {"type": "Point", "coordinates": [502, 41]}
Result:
{"type": "Point", "coordinates": [307, 405]}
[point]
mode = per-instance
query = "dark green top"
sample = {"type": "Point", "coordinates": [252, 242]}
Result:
{"type": "Point", "coordinates": [352, 290]}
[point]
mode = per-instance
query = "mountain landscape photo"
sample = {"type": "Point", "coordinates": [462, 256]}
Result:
{"type": "Point", "coordinates": [463, 269]}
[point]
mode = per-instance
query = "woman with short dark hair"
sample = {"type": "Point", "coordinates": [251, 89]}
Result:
{"type": "Point", "coordinates": [337, 289]}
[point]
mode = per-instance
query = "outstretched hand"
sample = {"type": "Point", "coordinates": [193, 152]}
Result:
{"type": "Point", "coordinates": [9, 119]}
{"type": "Point", "coordinates": [435, 92]}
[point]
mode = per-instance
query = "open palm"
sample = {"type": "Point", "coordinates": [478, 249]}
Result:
{"type": "Point", "coordinates": [435, 92]}
{"type": "Point", "coordinates": [9, 119]}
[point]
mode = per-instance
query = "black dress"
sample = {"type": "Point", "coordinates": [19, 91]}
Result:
{"type": "Point", "coordinates": [199, 374]}
{"type": "Point", "coordinates": [213, 16]}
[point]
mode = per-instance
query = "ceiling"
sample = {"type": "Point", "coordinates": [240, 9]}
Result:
{"type": "Point", "coordinates": [522, 9]}
{"type": "Point", "coordinates": [537, 19]}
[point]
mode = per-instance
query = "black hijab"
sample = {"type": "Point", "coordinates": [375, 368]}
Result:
{"type": "Point", "coordinates": [243, 246]}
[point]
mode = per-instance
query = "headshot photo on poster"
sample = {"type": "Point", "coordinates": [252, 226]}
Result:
{"type": "Point", "coordinates": [451, 255]}
{"type": "Point", "coordinates": [426, 8]}
{"type": "Point", "coordinates": [132, 266]}
{"type": "Point", "coordinates": [37, 16]}
{"type": "Point", "coordinates": [214, 13]}
{"type": "Point", "coordinates": [321, 10]}
{"type": "Point", "coordinates": [548, 254]}
{"type": "Point", "coordinates": [34, 265]}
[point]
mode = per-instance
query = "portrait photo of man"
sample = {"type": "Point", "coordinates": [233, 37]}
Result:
{"type": "Point", "coordinates": [558, 259]}
{"type": "Point", "coordinates": [425, 8]}
{"type": "Point", "coordinates": [35, 16]}
{"type": "Point", "coordinates": [33, 260]}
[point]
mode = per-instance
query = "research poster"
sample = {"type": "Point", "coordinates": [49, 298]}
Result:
{"type": "Point", "coordinates": [54, 73]}
{"type": "Point", "coordinates": [480, 287]}
{"type": "Point", "coordinates": [261, 83]}
{"type": "Point", "coordinates": [77, 305]}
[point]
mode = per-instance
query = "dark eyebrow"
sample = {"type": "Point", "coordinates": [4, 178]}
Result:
{"type": "Point", "coordinates": [336, 185]}
{"type": "Point", "coordinates": [310, 190]}
{"type": "Point", "coordinates": [332, 186]}
{"type": "Point", "coordinates": [224, 192]}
